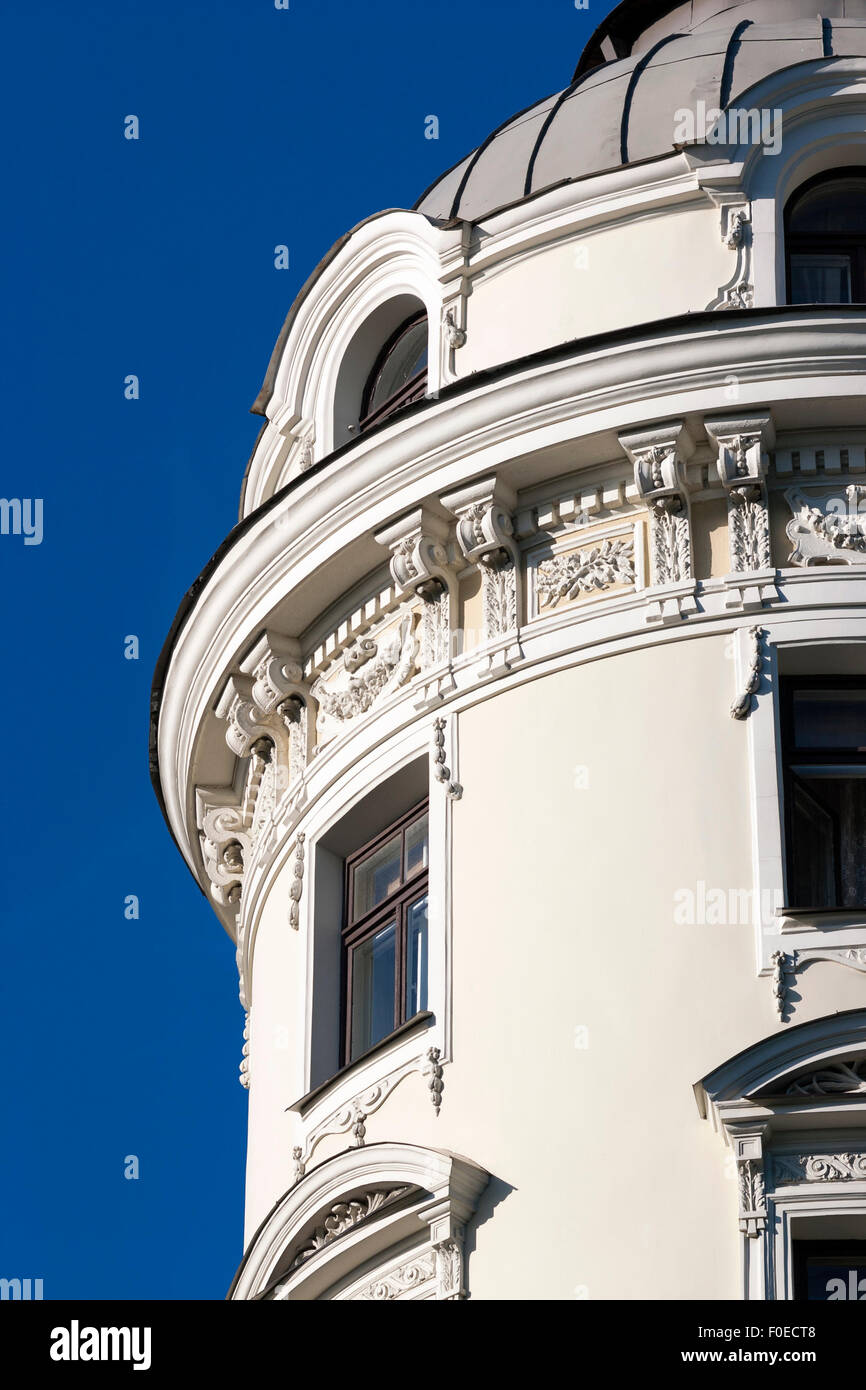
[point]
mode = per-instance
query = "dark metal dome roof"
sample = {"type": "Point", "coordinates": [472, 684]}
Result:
{"type": "Point", "coordinates": [648, 60]}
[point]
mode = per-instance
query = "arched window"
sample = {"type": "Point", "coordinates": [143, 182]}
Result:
{"type": "Point", "coordinates": [825, 239]}
{"type": "Point", "coordinates": [399, 374]}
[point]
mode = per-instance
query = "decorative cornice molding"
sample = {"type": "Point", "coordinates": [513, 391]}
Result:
{"type": "Point", "coordinates": [820, 1167]}
{"type": "Point", "coordinates": [321, 521]}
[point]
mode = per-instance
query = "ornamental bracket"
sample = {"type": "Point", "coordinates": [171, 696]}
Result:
{"type": "Point", "coordinates": [485, 534]}
{"type": "Point", "coordinates": [659, 455]}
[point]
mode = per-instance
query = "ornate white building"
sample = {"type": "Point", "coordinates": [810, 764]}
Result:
{"type": "Point", "coordinates": [518, 731]}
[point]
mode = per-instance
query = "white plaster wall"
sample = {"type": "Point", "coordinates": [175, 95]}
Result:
{"type": "Point", "coordinates": [276, 1054]}
{"type": "Point", "coordinates": [648, 268]}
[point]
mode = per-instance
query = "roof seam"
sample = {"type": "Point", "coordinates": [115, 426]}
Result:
{"type": "Point", "coordinates": [461, 187]}
{"type": "Point", "coordinates": [731, 51]}
{"type": "Point", "coordinates": [546, 124]}
{"type": "Point", "coordinates": [637, 73]}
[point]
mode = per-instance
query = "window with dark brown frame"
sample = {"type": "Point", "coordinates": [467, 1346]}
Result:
{"type": "Point", "coordinates": [399, 375]}
{"type": "Point", "coordinates": [824, 754]}
{"type": "Point", "coordinates": [825, 239]}
{"type": "Point", "coordinates": [385, 933]}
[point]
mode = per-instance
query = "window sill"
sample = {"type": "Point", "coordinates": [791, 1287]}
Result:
{"type": "Point", "coordinates": [419, 1024]}
{"type": "Point", "coordinates": [798, 919]}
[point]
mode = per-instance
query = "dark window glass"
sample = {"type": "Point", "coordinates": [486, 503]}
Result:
{"type": "Point", "coordinates": [830, 1271]}
{"type": "Point", "coordinates": [825, 238]}
{"type": "Point", "coordinates": [824, 743]}
{"type": "Point", "coordinates": [830, 718]}
{"type": "Point", "coordinates": [399, 376]}
{"type": "Point", "coordinates": [385, 936]}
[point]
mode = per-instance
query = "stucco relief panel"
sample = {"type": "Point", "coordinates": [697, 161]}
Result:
{"type": "Point", "coordinates": [585, 565]}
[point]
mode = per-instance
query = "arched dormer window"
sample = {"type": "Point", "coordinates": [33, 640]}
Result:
{"type": "Point", "coordinates": [399, 374]}
{"type": "Point", "coordinates": [825, 239]}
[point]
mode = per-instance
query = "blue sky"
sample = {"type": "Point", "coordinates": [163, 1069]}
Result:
{"type": "Point", "coordinates": [258, 127]}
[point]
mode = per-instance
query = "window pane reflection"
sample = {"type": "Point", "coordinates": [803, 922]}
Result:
{"type": "Point", "coordinates": [373, 975]}
{"type": "Point", "coordinates": [377, 877]}
{"type": "Point", "coordinates": [416, 847]}
{"type": "Point", "coordinates": [416, 957]}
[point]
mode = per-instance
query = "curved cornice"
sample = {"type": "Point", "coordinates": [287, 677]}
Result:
{"type": "Point", "coordinates": [455, 1182]}
{"type": "Point", "coordinates": [492, 420]}
{"type": "Point", "coordinates": [760, 1067]}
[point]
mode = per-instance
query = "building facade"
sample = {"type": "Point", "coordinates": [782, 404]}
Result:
{"type": "Point", "coordinates": [518, 731]}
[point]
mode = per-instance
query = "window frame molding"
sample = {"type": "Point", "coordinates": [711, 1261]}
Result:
{"type": "Point", "coordinates": [369, 1080]}
{"type": "Point", "coordinates": [355, 933]}
{"type": "Point", "coordinates": [829, 243]}
{"type": "Point", "coordinates": [794, 758]}
{"type": "Point", "coordinates": [786, 929]}
{"type": "Point", "coordinates": [414, 388]}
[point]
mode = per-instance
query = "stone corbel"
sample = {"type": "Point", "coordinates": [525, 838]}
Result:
{"type": "Point", "coordinates": [447, 1234]}
{"type": "Point", "coordinates": [225, 844]}
{"type": "Point", "coordinates": [485, 534]}
{"type": "Point", "coordinates": [738, 292]}
{"type": "Point", "coordinates": [786, 968]}
{"type": "Point", "coordinates": [740, 444]}
{"type": "Point", "coordinates": [268, 699]}
{"type": "Point", "coordinates": [659, 456]}
{"type": "Point", "coordinates": [456, 288]}
{"type": "Point", "coordinates": [420, 566]}
{"type": "Point", "coordinates": [748, 1145]}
